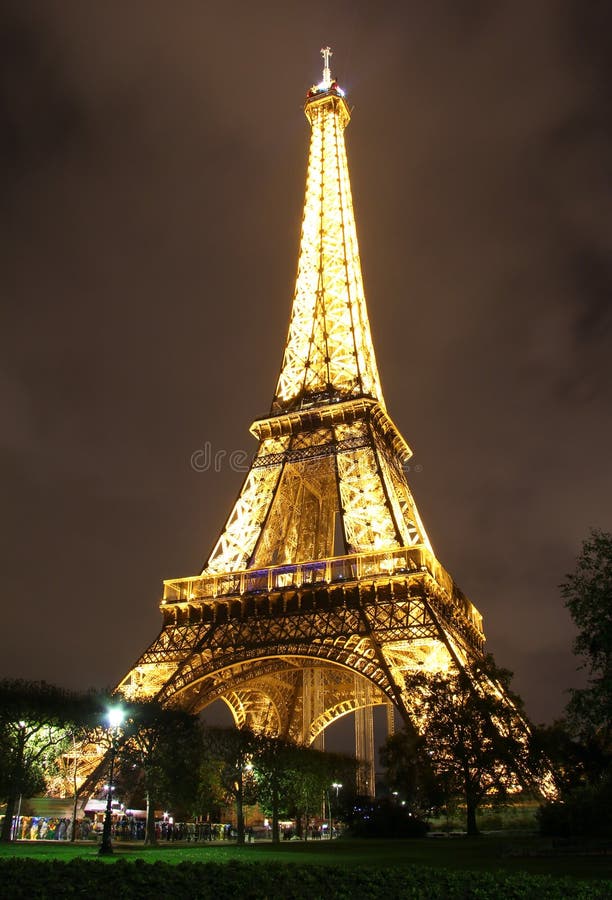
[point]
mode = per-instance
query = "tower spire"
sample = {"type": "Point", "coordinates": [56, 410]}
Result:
{"type": "Point", "coordinates": [327, 479]}
{"type": "Point", "coordinates": [326, 53]}
{"type": "Point", "coordinates": [329, 355]}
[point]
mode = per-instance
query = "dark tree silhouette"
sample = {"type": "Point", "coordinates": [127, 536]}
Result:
{"type": "Point", "coordinates": [410, 774]}
{"type": "Point", "coordinates": [478, 739]}
{"type": "Point", "coordinates": [587, 593]}
{"type": "Point", "coordinates": [162, 747]}
{"type": "Point", "coordinates": [231, 752]}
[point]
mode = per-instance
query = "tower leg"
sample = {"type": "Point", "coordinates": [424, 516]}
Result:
{"type": "Point", "coordinates": [313, 700]}
{"type": "Point", "coordinates": [364, 739]}
{"type": "Point", "coordinates": [390, 719]}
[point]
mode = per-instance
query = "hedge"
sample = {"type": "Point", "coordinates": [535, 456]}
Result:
{"type": "Point", "coordinates": [37, 880]}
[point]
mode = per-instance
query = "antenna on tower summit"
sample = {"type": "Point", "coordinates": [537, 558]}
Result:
{"type": "Point", "coordinates": [327, 54]}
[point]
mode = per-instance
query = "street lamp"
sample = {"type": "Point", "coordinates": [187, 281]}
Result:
{"type": "Point", "coordinates": [20, 752]}
{"type": "Point", "coordinates": [114, 718]}
{"type": "Point", "coordinates": [336, 786]}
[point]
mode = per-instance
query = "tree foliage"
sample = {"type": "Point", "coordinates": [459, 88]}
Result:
{"type": "Point", "coordinates": [581, 747]}
{"type": "Point", "coordinates": [311, 774]}
{"type": "Point", "coordinates": [583, 812]}
{"type": "Point", "coordinates": [574, 761]}
{"type": "Point", "coordinates": [410, 773]}
{"type": "Point", "coordinates": [230, 752]}
{"type": "Point", "coordinates": [475, 733]}
{"type": "Point", "coordinates": [35, 722]}
{"type": "Point", "coordinates": [242, 767]}
{"type": "Point", "coordinates": [587, 593]}
{"type": "Point", "coordinates": [273, 771]}
{"type": "Point", "coordinates": [161, 746]}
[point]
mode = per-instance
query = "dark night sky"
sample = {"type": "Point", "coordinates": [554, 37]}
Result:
{"type": "Point", "coordinates": [153, 163]}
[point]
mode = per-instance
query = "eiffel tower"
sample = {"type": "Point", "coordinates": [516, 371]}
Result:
{"type": "Point", "coordinates": [323, 589]}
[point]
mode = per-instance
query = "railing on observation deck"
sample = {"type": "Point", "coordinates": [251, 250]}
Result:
{"type": "Point", "coordinates": [354, 568]}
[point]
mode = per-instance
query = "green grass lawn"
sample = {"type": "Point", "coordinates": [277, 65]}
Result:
{"type": "Point", "coordinates": [486, 854]}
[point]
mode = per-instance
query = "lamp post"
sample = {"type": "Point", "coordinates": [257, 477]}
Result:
{"type": "Point", "coordinates": [115, 720]}
{"type": "Point", "coordinates": [336, 786]}
{"type": "Point", "coordinates": [20, 753]}
{"type": "Point", "coordinates": [75, 804]}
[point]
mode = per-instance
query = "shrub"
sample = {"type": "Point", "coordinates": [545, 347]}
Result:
{"type": "Point", "coordinates": [27, 878]}
{"type": "Point", "coordinates": [584, 812]}
{"type": "Point", "coordinates": [385, 819]}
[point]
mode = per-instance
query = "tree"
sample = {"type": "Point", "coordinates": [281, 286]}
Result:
{"type": "Point", "coordinates": [163, 747]}
{"type": "Point", "coordinates": [311, 773]}
{"type": "Point", "coordinates": [274, 775]}
{"type": "Point", "coordinates": [581, 748]}
{"type": "Point", "coordinates": [35, 722]}
{"type": "Point", "coordinates": [410, 774]}
{"type": "Point", "coordinates": [574, 762]}
{"type": "Point", "coordinates": [210, 793]}
{"type": "Point", "coordinates": [233, 749]}
{"type": "Point", "coordinates": [587, 593]}
{"type": "Point", "coordinates": [583, 780]}
{"type": "Point", "coordinates": [84, 736]}
{"type": "Point", "coordinates": [475, 732]}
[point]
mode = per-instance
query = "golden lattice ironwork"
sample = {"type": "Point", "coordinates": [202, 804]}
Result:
{"type": "Point", "coordinates": [323, 590]}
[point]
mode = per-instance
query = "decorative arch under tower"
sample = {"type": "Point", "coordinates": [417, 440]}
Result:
{"type": "Point", "coordinates": [323, 589]}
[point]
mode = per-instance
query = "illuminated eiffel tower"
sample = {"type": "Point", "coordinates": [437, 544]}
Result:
{"type": "Point", "coordinates": [323, 589]}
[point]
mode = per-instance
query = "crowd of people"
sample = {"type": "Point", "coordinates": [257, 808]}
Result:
{"type": "Point", "coordinates": [194, 831]}
{"type": "Point", "coordinates": [127, 828]}
{"type": "Point", "coordinates": [132, 828]}
{"type": "Point", "coordinates": [49, 828]}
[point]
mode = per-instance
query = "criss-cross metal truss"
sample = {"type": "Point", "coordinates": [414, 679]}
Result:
{"type": "Point", "coordinates": [323, 590]}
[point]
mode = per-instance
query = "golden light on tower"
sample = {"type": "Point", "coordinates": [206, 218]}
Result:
{"type": "Point", "coordinates": [328, 370]}
{"type": "Point", "coordinates": [322, 591]}
{"type": "Point", "coordinates": [329, 352]}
